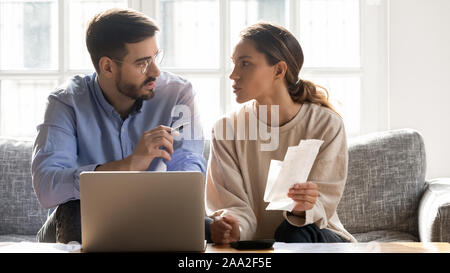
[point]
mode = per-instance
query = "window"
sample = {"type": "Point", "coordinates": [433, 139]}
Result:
{"type": "Point", "coordinates": [41, 45]}
{"type": "Point", "coordinates": [344, 42]}
{"type": "Point", "coordinates": [200, 36]}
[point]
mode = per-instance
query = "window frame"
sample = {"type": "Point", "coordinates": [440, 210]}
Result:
{"type": "Point", "coordinates": [63, 71]}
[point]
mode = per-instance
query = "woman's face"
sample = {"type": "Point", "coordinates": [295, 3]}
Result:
{"type": "Point", "coordinates": [252, 76]}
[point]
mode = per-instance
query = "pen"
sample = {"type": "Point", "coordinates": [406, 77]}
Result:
{"type": "Point", "coordinates": [179, 127]}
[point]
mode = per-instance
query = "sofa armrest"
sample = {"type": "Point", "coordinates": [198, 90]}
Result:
{"type": "Point", "coordinates": [434, 212]}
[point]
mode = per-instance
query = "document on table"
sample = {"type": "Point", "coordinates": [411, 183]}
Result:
{"type": "Point", "coordinates": [32, 247]}
{"type": "Point", "coordinates": [295, 168]}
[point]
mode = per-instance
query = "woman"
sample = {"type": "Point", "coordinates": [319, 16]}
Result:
{"type": "Point", "coordinates": [267, 62]}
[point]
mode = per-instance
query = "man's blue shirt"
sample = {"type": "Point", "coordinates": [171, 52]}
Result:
{"type": "Point", "coordinates": [81, 130]}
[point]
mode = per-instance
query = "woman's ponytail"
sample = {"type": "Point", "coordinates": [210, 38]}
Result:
{"type": "Point", "coordinates": [306, 91]}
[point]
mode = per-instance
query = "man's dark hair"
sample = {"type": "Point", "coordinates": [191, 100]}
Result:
{"type": "Point", "coordinates": [108, 32]}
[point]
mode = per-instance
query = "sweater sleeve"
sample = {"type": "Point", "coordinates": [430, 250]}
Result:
{"type": "Point", "coordinates": [329, 172]}
{"type": "Point", "coordinates": [225, 192]}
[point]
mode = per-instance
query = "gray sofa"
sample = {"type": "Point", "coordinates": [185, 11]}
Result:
{"type": "Point", "coordinates": [386, 197]}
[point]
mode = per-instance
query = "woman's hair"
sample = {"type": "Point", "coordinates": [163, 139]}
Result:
{"type": "Point", "coordinates": [108, 32]}
{"type": "Point", "coordinates": [278, 44]}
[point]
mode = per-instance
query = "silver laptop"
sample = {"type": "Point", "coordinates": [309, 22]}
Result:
{"type": "Point", "coordinates": [142, 211]}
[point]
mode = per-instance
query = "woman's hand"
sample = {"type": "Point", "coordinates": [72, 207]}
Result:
{"type": "Point", "coordinates": [305, 196]}
{"type": "Point", "coordinates": [225, 230]}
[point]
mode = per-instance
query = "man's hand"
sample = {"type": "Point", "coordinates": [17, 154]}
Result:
{"type": "Point", "coordinates": [148, 149]}
{"type": "Point", "coordinates": [305, 196]}
{"type": "Point", "coordinates": [225, 230]}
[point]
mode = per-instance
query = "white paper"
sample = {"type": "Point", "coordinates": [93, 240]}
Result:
{"type": "Point", "coordinates": [295, 168]}
{"type": "Point", "coordinates": [29, 247]}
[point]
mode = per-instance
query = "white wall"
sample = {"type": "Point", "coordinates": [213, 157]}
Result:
{"type": "Point", "coordinates": [419, 75]}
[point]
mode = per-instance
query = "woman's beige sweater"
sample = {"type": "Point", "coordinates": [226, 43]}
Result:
{"type": "Point", "coordinates": [238, 169]}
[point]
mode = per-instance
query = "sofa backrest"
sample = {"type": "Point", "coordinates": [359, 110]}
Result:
{"type": "Point", "coordinates": [20, 212]}
{"type": "Point", "coordinates": [386, 179]}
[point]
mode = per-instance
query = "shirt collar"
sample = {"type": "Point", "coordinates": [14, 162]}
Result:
{"type": "Point", "coordinates": [137, 106]}
{"type": "Point", "coordinates": [109, 109]}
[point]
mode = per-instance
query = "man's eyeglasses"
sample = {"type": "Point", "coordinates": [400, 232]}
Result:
{"type": "Point", "coordinates": [145, 64]}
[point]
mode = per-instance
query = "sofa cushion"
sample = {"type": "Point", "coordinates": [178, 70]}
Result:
{"type": "Point", "coordinates": [385, 236]}
{"type": "Point", "coordinates": [386, 179]}
{"type": "Point", "coordinates": [17, 238]}
{"type": "Point", "coordinates": [20, 212]}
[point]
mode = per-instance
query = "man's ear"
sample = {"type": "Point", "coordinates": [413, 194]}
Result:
{"type": "Point", "coordinates": [280, 70]}
{"type": "Point", "coordinates": [106, 66]}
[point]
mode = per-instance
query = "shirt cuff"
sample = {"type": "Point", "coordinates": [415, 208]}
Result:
{"type": "Point", "coordinates": [87, 168]}
{"type": "Point", "coordinates": [294, 219]}
{"type": "Point", "coordinates": [315, 215]}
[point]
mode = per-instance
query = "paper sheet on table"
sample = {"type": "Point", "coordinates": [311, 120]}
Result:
{"type": "Point", "coordinates": [295, 168]}
{"type": "Point", "coordinates": [31, 247]}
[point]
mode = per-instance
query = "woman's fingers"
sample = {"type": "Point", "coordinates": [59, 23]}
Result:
{"type": "Point", "coordinates": [235, 232]}
{"type": "Point", "coordinates": [302, 197]}
{"type": "Point", "coordinates": [304, 186]}
{"type": "Point", "coordinates": [230, 220]}
{"type": "Point", "coordinates": [220, 231]}
{"type": "Point", "coordinates": [303, 206]}
{"type": "Point", "coordinates": [224, 230]}
{"type": "Point", "coordinates": [304, 192]}
{"type": "Point", "coordinates": [226, 234]}
{"type": "Point", "coordinates": [222, 225]}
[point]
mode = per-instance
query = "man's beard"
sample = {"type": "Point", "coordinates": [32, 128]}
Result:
{"type": "Point", "coordinates": [131, 90]}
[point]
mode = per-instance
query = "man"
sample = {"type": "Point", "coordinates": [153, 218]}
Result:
{"type": "Point", "coordinates": [117, 119]}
